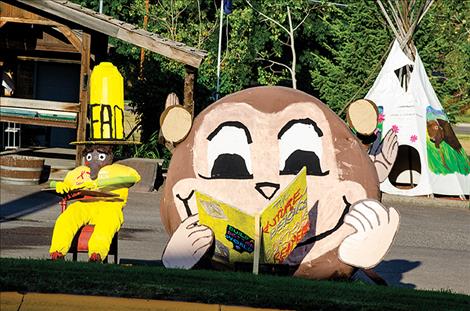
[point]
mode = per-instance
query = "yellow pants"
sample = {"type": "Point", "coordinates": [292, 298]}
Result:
{"type": "Point", "coordinates": [106, 216]}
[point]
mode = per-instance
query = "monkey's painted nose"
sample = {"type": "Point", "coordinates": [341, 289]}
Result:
{"type": "Point", "coordinates": [267, 189]}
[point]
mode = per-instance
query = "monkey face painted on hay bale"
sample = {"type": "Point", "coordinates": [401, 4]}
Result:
{"type": "Point", "coordinates": [246, 147]}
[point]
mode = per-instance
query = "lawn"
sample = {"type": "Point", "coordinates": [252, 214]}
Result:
{"type": "Point", "coordinates": [465, 118]}
{"type": "Point", "coordinates": [465, 142]}
{"type": "Point", "coordinates": [231, 288]}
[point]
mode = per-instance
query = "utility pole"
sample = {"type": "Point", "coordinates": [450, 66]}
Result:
{"type": "Point", "coordinates": [220, 48]}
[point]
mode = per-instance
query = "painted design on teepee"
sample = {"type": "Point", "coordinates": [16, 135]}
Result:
{"type": "Point", "coordinates": [445, 153]}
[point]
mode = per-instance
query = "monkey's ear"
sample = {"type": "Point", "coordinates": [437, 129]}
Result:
{"type": "Point", "coordinates": [362, 117]}
{"type": "Point", "coordinates": [175, 121]}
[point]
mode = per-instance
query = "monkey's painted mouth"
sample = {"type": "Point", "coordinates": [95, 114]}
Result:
{"type": "Point", "coordinates": [328, 232]}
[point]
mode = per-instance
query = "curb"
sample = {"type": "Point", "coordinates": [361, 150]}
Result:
{"type": "Point", "coordinates": [34, 301]}
{"type": "Point", "coordinates": [394, 200]}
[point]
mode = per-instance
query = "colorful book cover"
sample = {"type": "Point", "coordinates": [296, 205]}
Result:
{"type": "Point", "coordinates": [280, 226]}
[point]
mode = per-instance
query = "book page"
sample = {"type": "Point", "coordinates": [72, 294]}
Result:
{"type": "Point", "coordinates": [284, 222]}
{"type": "Point", "coordinates": [233, 229]}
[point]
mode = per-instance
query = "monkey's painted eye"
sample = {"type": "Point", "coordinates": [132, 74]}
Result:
{"type": "Point", "coordinates": [300, 145]}
{"type": "Point", "coordinates": [228, 153]}
{"type": "Point", "coordinates": [102, 156]}
{"type": "Point", "coordinates": [88, 157]}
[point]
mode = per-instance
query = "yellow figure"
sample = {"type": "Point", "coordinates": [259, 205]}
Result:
{"type": "Point", "coordinates": [105, 213]}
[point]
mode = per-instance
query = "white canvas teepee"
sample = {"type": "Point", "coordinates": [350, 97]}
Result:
{"type": "Point", "coordinates": [430, 159]}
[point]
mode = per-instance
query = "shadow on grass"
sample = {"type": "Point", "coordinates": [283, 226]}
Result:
{"type": "Point", "coordinates": [28, 204]}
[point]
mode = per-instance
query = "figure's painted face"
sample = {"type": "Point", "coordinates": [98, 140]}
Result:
{"type": "Point", "coordinates": [245, 148]}
{"type": "Point", "coordinates": [96, 157]}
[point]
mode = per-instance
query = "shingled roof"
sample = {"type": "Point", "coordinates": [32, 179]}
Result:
{"type": "Point", "coordinates": [83, 17]}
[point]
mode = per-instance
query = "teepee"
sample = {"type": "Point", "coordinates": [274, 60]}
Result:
{"type": "Point", "coordinates": [430, 158]}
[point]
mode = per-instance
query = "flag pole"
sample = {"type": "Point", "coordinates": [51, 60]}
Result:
{"type": "Point", "coordinates": [220, 48]}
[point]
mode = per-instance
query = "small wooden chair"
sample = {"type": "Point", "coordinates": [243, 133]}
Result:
{"type": "Point", "coordinates": [80, 243]}
{"type": "Point", "coordinates": [81, 238]}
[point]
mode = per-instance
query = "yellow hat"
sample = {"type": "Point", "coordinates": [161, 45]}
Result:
{"type": "Point", "coordinates": [106, 108]}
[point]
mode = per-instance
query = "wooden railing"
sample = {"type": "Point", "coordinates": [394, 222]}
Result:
{"type": "Point", "coordinates": [39, 112]}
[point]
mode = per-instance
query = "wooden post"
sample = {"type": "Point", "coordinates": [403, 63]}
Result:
{"type": "Point", "coordinates": [142, 50]}
{"type": "Point", "coordinates": [189, 78]}
{"type": "Point", "coordinates": [84, 94]}
{"type": "Point", "coordinates": [257, 251]}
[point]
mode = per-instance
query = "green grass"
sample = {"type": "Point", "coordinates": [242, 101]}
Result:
{"type": "Point", "coordinates": [231, 288]}
{"type": "Point", "coordinates": [465, 141]}
{"type": "Point", "coordinates": [465, 118]}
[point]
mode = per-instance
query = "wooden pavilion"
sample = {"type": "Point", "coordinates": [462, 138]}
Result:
{"type": "Point", "coordinates": [62, 32]}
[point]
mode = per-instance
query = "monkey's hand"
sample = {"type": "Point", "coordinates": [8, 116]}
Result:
{"type": "Point", "coordinates": [188, 244]}
{"type": "Point", "coordinates": [385, 158]}
{"type": "Point", "coordinates": [375, 226]}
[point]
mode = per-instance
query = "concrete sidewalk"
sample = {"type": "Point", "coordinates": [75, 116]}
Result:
{"type": "Point", "coordinates": [398, 200]}
{"type": "Point", "coordinates": [12, 301]}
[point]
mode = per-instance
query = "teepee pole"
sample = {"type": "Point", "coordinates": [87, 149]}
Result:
{"type": "Point", "coordinates": [398, 19]}
{"type": "Point", "coordinates": [388, 19]}
{"type": "Point", "coordinates": [427, 6]}
{"type": "Point", "coordinates": [404, 22]}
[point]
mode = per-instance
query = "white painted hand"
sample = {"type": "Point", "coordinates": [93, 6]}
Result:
{"type": "Point", "coordinates": [187, 244]}
{"type": "Point", "coordinates": [375, 226]}
{"type": "Point", "coordinates": [385, 159]}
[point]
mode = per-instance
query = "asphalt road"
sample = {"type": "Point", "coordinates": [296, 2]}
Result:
{"type": "Point", "coordinates": [431, 250]}
{"type": "Point", "coordinates": [462, 128]}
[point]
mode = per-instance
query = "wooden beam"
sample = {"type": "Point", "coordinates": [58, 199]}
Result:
{"type": "Point", "coordinates": [13, 102]}
{"type": "Point", "coordinates": [189, 78]}
{"type": "Point", "coordinates": [38, 121]}
{"type": "Point", "coordinates": [5, 19]}
{"type": "Point", "coordinates": [119, 29]}
{"type": "Point", "coordinates": [84, 94]}
{"type": "Point", "coordinates": [158, 46]}
{"type": "Point", "coordinates": [71, 36]}
{"type": "Point", "coordinates": [2, 23]}
{"type": "Point", "coordinates": [49, 60]}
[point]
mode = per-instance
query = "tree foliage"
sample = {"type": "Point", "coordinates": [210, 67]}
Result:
{"type": "Point", "coordinates": [339, 49]}
{"type": "Point", "coordinates": [443, 42]}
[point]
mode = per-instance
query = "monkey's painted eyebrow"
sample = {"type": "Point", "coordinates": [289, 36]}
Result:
{"type": "Point", "coordinates": [234, 124]}
{"type": "Point", "coordinates": [302, 121]}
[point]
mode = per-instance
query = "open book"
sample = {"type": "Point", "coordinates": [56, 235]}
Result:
{"type": "Point", "coordinates": [268, 237]}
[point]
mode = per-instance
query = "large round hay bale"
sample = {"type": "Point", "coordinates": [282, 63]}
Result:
{"type": "Point", "coordinates": [20, 170]}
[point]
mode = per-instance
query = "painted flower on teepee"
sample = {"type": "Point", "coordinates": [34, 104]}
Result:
{"type": "Point", "coordinates": [381, 118]}
{"type": "Point", "coordinates": [395, 128]}
{"type": "Point", "coordinates": [413, 138]}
